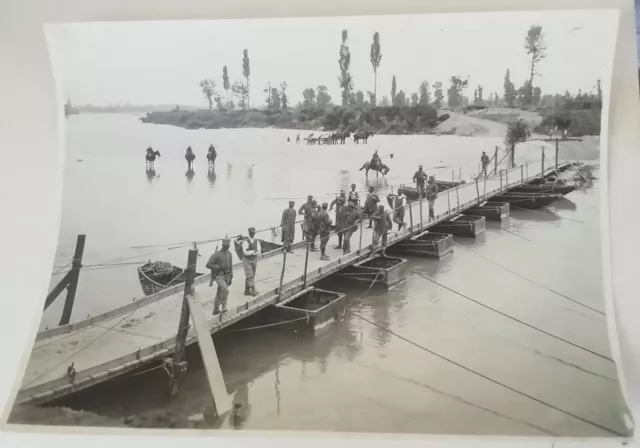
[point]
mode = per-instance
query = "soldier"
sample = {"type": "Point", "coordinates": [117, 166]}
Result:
{"type": "Point", "coordinates": [382, 227]}
{"type": "Point", "coordinates": [353, 194]}
{"type": "Point", "coordinates": [432, 192]}
{"type": "Point", "coordinates": [341, 214]}
{"type": "Point", "coordinates": [250, 251]}
{"type": "Point", "coordinates": [397, 203]}
{"type": "Point", "coordinates": [221, 265]}
{"type": "Point", "coordinates": [288, 227]}
{"type": "Point", "coordinates": [419, 178]}
{"type": "Point", "coordinates": [324, 223]}
{"type": "Point", "coordinates": [314, 227]}
{"type": "Point", "coordinates": [351, 218]}
{"type": "Point", "coordinates": [339, 202]}
{"type": "Point", "coordinates": [484, 159]}
{"type": "Point", "coordinates": [306, 210]}
{"type": "Point", "coordinates": [371, 204]}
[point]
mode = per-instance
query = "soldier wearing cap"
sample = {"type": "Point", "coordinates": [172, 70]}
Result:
{"type": "Point", "coordinates": [351, 218]}
{"type": "Point", "coordinates": [324, 228]}
{"type": "Point", "coordinates": [353, 194]}
{"type": "Point", "coordinates": [250, 251]}
{"type": "Point", "coordinates": [338, 202]}
{"type": "Point", "coordinates": [382, 226]}
{"type": "Point", "coordinates": [314, 227]}
{"type": "Point", "coordinates": [306, 209]}
{"type": "Point", "coordinates": [221, 265]}
{"type": "Point", "coordinates": [288, 225]}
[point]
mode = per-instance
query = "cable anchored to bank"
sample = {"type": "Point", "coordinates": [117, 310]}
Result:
{"type": "Point", "coordinates": [534, 282]}
{"type": "Point", "coordinates": [513, 318]}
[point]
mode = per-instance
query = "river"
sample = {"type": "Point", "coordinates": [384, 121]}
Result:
{"type": "Point", "coordinates": [358, 376]}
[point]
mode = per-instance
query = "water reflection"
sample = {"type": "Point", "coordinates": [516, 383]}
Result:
{"type": "Point", "coordinates": [564, 204]}
{"type": "Point", "coordinates": [211, 175]}
{"type": "Point", "coordinates": [540, 215]}
{"type": "Point", "coordinates": [151, 174]}
{"type": "Point", "coordinates": [229, 169]}
{"type": "Point", "coordinates": [241, 407]}
{"type": "Point", "coordinates": [189, 175]}
{"type": "Point", "coordinates": [250, 173]}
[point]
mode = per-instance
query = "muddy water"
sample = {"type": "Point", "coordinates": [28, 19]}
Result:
{"type": "Point", "coordinates": [424, 357]}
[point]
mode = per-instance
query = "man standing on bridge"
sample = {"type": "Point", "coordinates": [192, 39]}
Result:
{"type": "Point", "coordinates": [338, 202]}
{"type": "Point", "coordinates": [324, 224]}
{"type": "Point", "coordinates": [353, 194]}
{"type": "Point", "coordinates": [397, 204]}
{"type": "Point", "coordinates": [485, 163]}
{"type": "Point", "coordinates": [306, 209]}
{"type": "Point", "coordinates": [382, 227]}
{"type": "Point", "coordinates": [250, 250]}
{"type": "Point", "coordinates": [221, 265]}
{"type": "Point", "coordinates": [351, 218]}
{"type": "Point", "coordinates": [288, 225]}
{"type": "Point", "coordinates": [371, 204]}
{"type": "Point", "coordinates": [419, 178]}
{"type": "Point", "coordinates": [432, 193]}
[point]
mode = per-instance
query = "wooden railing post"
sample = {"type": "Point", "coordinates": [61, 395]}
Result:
{"type": "Point", "coordinates": [448, 202]}
{"type": "Point", "coordinates": [495, 156]}
{"type": "Point", "coordinates": [527, 168]}
{"type": "Point", "coordinates": [542, 173]}
{"type": "Point", "coordinates": [458, 187]}
{"type": "Point", "coordinates": [521, 174]}
{"type": "Point", "coordinates": [477, 191]}
{"type": "Point", "coordinates": [73, 280]}
{"type": "Point", "coordinates": [506, 177]}
{"type": "Point", "coordinates": [500, 180]}
{"type": "Point", "coordinates": [410, 215]}
{"type": "Point", "coordinates": [284, 264]}
{"type": "Point", "coordinates": [421, 212]}
{"type": "Point", "coordinates": [361, 231]}
{"type": "Point", "coordinates": [306, 263]}
{"type": "Point", "coordinates": [557, 151]}
{"type": "Point", "coordinates": [179, 365]}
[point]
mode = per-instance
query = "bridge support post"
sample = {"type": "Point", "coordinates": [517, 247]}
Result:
{"type": "Point", "coordinates": [179, 363]}
{"type": "Point", "coordinates": [73, 280]}
{"type": "Point", "coordinates": [306, 263]}
{"type": "Point", "coordinates": [284, 264]}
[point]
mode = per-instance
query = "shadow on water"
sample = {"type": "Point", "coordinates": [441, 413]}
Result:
{"type": "Point", "coordinates": [538, 215]}
{"type": "Point", "coordinates": [211, 176]}
{"type": "Point", "coordinates": [564, 204]}
{"type": "Point", "coordinates": [245, 355]}
{"type": "Point", "coordinates": [151, 174]}
{"type": "Point", "coordinates": [189, 175]}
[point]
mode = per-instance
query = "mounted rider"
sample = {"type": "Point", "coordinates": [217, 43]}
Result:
{"type": "Point", "coordinates": [189, 155]}
{"type": "Point", "coordinates": [212, 153]}
{"type": "Point", "coordinates": [376, 163]}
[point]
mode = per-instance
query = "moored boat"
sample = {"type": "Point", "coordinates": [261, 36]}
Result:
{"type": "Point", "coordinates": [316, 308]}
{"type": "Point", "coordinates": [462, 225]}
{"type": "Point", "coordinates": [159, 275]}
{"type": "Point", "coordinates": [527, 200]}
{"type": "Point", "coordinates": [380, 270]}
{"type": "Point", "coordinates": [551, 188]}
{"type": "Point", "coordinates": [426, 244]}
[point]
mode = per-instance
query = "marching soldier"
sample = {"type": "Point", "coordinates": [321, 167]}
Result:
{"type": "Point", "coordinates": [382, 227]}
{"type": "Point", "coordinates": [221, 266]}
{"type": "Point", "coordinates": [288, 225]}
{"type": "Point", "coordinates": [250, 251]}
{"type": "Point", "coordinates": [432, 193]}
{"type": "Point", "coordinates": [324, 223]}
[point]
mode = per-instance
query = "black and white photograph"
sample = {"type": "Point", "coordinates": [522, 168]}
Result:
{"type": "Point", "coordinates": [363, 224]}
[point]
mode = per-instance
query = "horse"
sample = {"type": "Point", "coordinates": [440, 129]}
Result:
{"type": "Point", "coordinates": [151, 158]}
{"type": "Point", "coordinates": [384, 169]}
{"type": "Point", "coordinates": [211, 157]}
{"type": "Point", "coordinates": [190, 157]}
{"type": "Point", "coordinates": [364, 136]}
{"type": "Point", "coordinates": [340, 137]}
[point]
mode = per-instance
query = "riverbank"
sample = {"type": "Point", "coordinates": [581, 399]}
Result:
{"type": "Point", "coordinates": [418, 120]}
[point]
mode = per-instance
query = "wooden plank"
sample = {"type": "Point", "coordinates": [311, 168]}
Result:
{"type": "Point", "coordinates": [221, 399]}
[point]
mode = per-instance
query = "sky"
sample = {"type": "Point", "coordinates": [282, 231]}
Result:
{"type": "Point", "coordinates": [164, 62]}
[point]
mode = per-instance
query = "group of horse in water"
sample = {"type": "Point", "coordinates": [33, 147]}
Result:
{"type": "Point", "coordinates": [375, 164]}
{"type": "Point", "coordinates": [335, 138]}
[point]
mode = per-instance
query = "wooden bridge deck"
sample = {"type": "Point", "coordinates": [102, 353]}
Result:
{"type": "Point", "coordinates": [123, 339]}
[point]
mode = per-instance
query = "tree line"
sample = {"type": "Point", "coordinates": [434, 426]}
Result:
{"type": "Point", "coordinates": [237, 94]}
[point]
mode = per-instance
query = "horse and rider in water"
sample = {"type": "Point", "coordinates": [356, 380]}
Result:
{"type": "Point", "coordinates": [151, 157]}
{"type": "Point", "coordinates": [211, 156]}
{"type": "Point", "coordinates": [375, 165]}
{"type": "Point", "coordinates": [190, 156]}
